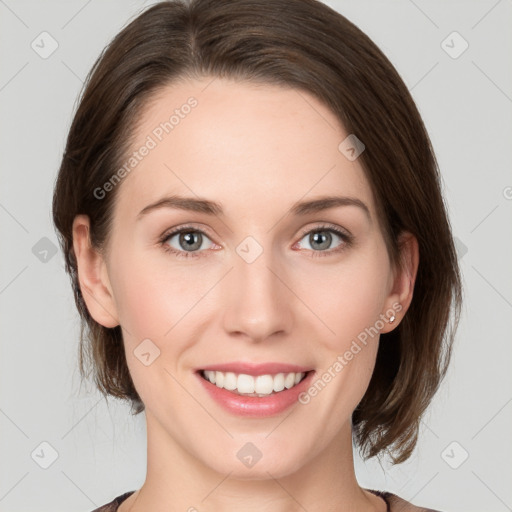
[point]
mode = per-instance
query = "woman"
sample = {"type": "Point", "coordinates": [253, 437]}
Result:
{"type": "Point", "coordinates": [250, 211]}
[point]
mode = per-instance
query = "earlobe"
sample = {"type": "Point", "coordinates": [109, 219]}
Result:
{"type": "Point", "coordinates": [92, 276]}
{"type": "Point", "coordinates": [401, 294]}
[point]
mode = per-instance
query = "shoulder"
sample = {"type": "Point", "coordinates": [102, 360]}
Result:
{"type": "Point", "coordinates": [114, 504]}
{"type": "Point", "coordinates": [397, 504]}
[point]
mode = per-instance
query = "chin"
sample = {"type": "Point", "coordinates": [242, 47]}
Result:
{"type": "Point", "coordinates": [248, 462]}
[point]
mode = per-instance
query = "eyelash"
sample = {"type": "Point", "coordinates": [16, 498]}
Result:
{"type": "Point", "coordinates": [345, 237]}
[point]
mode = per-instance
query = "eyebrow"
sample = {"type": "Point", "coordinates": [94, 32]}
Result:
{"type": "Point", "coordinates": [213, 208]}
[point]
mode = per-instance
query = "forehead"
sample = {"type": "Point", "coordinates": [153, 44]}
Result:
{"type": "Point", "coordinates": [248, 146]}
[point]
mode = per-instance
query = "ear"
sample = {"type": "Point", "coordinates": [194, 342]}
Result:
{"type": "Point", "coordinates": [92, 275]}
{"type": "Point", "coordinates": [400, 296]}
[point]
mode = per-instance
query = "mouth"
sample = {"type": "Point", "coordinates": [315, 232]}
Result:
{"type": "Point", "coordinates": [260, 386]}
{"type": "Point", "coordinates": [255, 390]}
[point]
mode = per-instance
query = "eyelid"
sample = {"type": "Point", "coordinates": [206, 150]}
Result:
{"type": "Point", "coordinates": [185, 227]}
{"type": "Point", "coordinates": [326, 226]}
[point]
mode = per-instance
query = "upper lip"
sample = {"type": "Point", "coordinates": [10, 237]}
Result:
{"type": "Point", "coordinates": [255, 368]}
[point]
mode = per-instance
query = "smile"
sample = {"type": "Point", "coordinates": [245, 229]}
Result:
{"type": "Point", "coordinates": [258, 395]}
{"type": "Point", "coordinates": [255, 386]}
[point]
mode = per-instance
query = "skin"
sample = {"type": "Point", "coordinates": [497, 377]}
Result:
{"type": "Point", "coordinates": [256, 149]}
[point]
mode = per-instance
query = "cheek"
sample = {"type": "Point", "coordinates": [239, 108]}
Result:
{"type": "Point", "coordinates": [353, 296]}
{"type": "Point", "coordinates": [350, 305]}
{"type": "Point", "coordinates": [155, 301]}
{"type": "Point", "coordinates": [152, 298]}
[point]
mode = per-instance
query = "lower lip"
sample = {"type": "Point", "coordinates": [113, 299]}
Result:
{"type": "Point", "coordinates": [253, 406]}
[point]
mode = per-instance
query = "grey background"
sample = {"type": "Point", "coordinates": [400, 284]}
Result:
{"type": "Point", "coordinates": [466, 103]}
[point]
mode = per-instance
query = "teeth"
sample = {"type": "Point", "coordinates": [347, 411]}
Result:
{"type": "Point", "coordinates": [245, 383]}
{"type": "Point", "coordinates": [264, 384]}
{"type": "Point", "coordinates": [261, 385]}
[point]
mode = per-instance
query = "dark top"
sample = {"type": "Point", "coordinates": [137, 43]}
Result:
{"type": "Point", "coordinates": [394, 502]}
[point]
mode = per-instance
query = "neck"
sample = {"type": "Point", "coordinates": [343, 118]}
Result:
{"type": "Point", "coordinates": [178, 480]}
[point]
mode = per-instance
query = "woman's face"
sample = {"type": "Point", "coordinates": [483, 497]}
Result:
{"type": "Point", "coordinates": [251, 283]}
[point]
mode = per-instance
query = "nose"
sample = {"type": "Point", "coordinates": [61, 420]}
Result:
{"type": "Point", "coordinates": [258, 302]}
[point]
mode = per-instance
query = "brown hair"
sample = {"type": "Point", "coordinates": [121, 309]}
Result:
{"type": "Point", "coordinates": [306, 45]}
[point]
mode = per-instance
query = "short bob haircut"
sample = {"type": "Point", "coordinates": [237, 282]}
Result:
{"type": "Point", "coordinates": [301, 44]}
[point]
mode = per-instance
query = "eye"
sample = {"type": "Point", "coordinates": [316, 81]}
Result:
{"type": "Point", "coordinates": [188, 241]}
{"type": "Point", "coordinates": [321, 238]}
{"type": "Point", "coordinates": [185, 242]}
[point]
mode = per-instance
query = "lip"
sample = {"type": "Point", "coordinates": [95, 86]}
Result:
{"type": "Point", "coordinates": [255, 369]}
{"type": "Point", "coordinates": [253, 406]}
